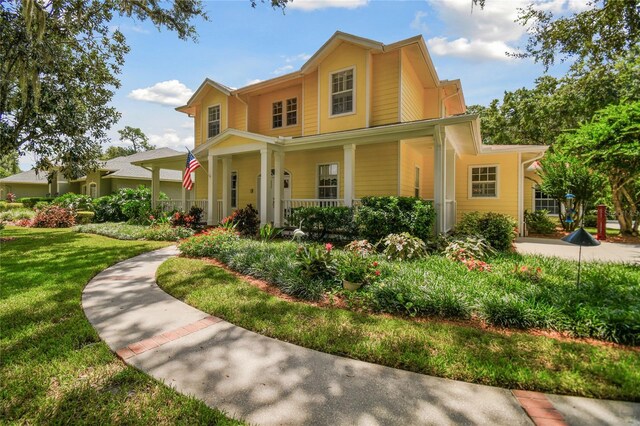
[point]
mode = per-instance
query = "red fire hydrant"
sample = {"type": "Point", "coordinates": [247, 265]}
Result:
{"type": "Point", "coordinates": [601, 226]}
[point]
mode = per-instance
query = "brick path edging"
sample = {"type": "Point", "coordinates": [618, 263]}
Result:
{"type": "Point", "coordinates": [539, 408]}
{"type": "Point", "coordinates": [153, 342]}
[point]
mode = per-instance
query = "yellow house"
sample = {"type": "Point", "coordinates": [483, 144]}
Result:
{"type": "Point", "coordinates": [359, 118]}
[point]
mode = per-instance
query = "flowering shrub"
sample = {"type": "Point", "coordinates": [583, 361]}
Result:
{"type": "Point", "coordinates": [361, 247]}
{"type": "Point", "coordinates": [356, 268]}
{"type": "Point", "coordinates": [528, 274]}
{"type": "Point", "coordinates": [209, 243]}
{"type": "Point", "coordinates": [316, 262]}
{"type": "Point", "coordinates": [11, 197]}
{"type": "Point", "coordinates": [25, 223]}
{"type": "Point", "coordinates": [403, 246]}
{"type": "Point", "coordinates": [477, 265]}
{"type": "Point", "coordinates": [165, 232]}
{"type": "Point", "coordinates": [53, 217]}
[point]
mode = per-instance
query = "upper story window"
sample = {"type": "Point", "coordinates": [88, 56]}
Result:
{"type": "Point", "coordinates": [213, 121]}
{"type": "Point", "coordinates": [342, 92]}
{"type": "Point", "coordinates": [277, 115]}
{"type": "Point", "coordinates": [483, 182]}
{"type": "Point", "coordinates": [544, 202]}
{"type": "Point", "coordinates": [328, 181]}
{"type": "Point", "coordinates": [292, 111]}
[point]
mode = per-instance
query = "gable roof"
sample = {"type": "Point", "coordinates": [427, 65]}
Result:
{"type": "Point", "coordinates": [30, 176]}
{"type": "Point", "coordinates": [121, 167]}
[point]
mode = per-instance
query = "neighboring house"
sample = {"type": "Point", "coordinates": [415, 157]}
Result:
{"type": "Point", "coordinates": [32, 184]}
{"type": "Point", "coordinates": [113, 175]}
{"type": "Point", "coordinates": [359, 118]}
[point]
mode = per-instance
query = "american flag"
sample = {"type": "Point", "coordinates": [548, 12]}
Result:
{"type": "Point", "coordinates": [192, 165]}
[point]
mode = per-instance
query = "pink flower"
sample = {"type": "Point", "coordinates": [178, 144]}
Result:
{"type": "Point", "coordinates": [328, 246]}
{"type": "Point", "coordinates": [151, 217]}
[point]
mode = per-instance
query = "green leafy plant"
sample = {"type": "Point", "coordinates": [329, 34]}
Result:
{"type": "Point", "coordinates": [166, 232]}
{"type": "Point", "coordinates": [356, 268]}
{"type": "Point", "coordinates": [538, 222]}
{"type": "Point", "coordinates": [30, 202]}
{"type": "Point", "coordinates": [17, 214]}
{"type": "Point", "coordinates": [74, 202]}
{"type": "Point", "coordinates": [378, 217]}
{"type": "Point", "coordinates": [468, 247]}
{"type": "Point", "coordinates": [246, 221]}
{"type": "Point", "coordinates": [316, 261]}
{"type": "Point", "coordinates": [403, 246]}
{"type": "Point", "coordinates": [322, 223]}
{"type": "Point", "coordinates": [268, 232]}
{"type": "Point", "coordinates": [191, 219]}
{"type": "Point", "coordinates": [83, 217]}
{"type": "Point", "coordinates": [11, 197]}
{"type": "Point", "coordinates": [499, 230]}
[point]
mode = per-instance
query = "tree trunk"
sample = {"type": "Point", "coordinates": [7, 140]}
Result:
{"type": "Point", "coordinates": [633, 211]}
{"type": "Point", "coordinates": [623, 216]}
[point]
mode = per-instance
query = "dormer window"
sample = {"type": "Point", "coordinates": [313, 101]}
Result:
{"type": "Point", "coordinates": [342, 92]}
{"type": "Point", "coordinates": [213, 121]}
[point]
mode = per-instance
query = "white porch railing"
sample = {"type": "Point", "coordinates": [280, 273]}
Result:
{"type": "Point", "coordinates": [290, 204]}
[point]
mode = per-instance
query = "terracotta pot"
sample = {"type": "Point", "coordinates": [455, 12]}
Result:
{"type": "Point", "coordinates": [348, 285]}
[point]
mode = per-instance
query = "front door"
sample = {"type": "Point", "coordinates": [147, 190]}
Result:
{"type": "Point", "coordinates": [286, 194]}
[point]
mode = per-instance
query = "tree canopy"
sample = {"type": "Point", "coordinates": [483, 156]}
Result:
{"type": "Point", "coordinates": [128, 135]}
{"type": "Point", "coordinates": [59, 67]}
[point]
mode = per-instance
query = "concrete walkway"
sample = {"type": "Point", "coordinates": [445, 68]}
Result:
{"type": "Point", "coordinates": [605, 252]}
{"type": "Point", "coordinates": [269, 382]}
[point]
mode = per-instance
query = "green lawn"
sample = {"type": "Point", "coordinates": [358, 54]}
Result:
{"type": "Point", "coordinates": [54, 368]}
{"type": "Point", "coordinates": [509, 359]}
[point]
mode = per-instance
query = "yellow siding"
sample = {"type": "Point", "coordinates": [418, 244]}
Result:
{"type": "Point", "coordinates": [376, 169]}
{"type": "Point", "coordinates": [344, 56]}
{"type": "Point", "coordinates": [412, 156]}
{"type": "Point", "coordinates": [210, 98]}
{"type": "Point", "coordinates": [234, 141]}
{"type": "Point", "coordinates": [264, 111]}
{"type": "Point", "coordinates": [237, 114]}
{"type": "Point", "coordinates": [431, 103]}
{"type": "Point", "coordinates": [303, 167]}
{"type": "Point", "coordinates": [507, 201]}
{"type": "Point", "coordinates": [197, 133]}
{"type": "Point", "coordinates": [310, 109]}
{"type": "Point", "coordinates": [412, 92]}
{"type": "Point", "coordinates": [248, 169]}
{"type": "Point", "coordinates": [385, 96]}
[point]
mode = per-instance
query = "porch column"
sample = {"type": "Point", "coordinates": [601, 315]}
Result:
{"type": "Point", "coordinates": [278, 187]}
{"type": "Point", "coordinates": [183, 193]}
{"type": "Point", "coordinates": [265, 173]}
{"type": "Point", "coordinates": [439, 178]}
{"type": "Point", "coordinates": [226, 186]}
{"type": "Point", "coordinates": [212, 190]}
{"type": "Point", "coordinates": [450, 187]}
{"type": "Point", "coordinates": [349, 172]}
{"type": "Point", "coordinates": [155, 186]}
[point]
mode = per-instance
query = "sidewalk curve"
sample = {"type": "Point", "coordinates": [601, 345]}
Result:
{"type": "Point", "coordinates": [269, 382]}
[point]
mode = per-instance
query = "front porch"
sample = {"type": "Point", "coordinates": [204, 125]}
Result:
{"type": "Point", "coordinates": [407, 159]}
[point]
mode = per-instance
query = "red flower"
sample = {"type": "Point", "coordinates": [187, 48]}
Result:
{"type": "Point", "coordinates": [328, 246]}
{"type": "Point", "coordinates": [151, 217]}
{"type": "Point", "coordinates": [377, 273]}
{"type": "Point", "coordinates": [375, 264]}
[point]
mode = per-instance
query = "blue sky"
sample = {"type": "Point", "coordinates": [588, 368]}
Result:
{"type": "Point", "coordinates": [240, 45]}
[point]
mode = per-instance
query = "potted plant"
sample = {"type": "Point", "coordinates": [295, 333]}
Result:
{"type": "Point", "coordinates": [355, 271]}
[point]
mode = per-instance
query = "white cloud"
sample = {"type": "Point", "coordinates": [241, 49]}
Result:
{"type": "Point", "coordinates": [283, 69]}
{"type": "Point", "coordinates": [308, 5]}
{"type": "Point", "coordinates": [171, 92]}
{"type": "Point", "coordinates": [485, 33]}
{"type": "Point", "coordinates": [170, 138]}
{"type": "Point", "coordinates": [254, 81]}
{"type": "Point", "coordinates": [187, 125]}
{"type": "Point", "coordinates": [464, 48]}
{"type": "Point", "coordinates": [418, 22]}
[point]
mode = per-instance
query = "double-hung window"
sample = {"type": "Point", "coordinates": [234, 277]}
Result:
{"type": "Point", "coordinates": [342, 92]}
{"type": "Point", "coordinates": [328, 181]}
{"type": "Point", "coordinates": [416, 184]}
{"type": "Point", "coordinates": [484, 182]}
{"type": "Point", "coordinates": [277, 114]}
{"type": "Point", "coordinates": [213, 121]}
{"type": "Point", "coordinates": [544, 202]}
{"type": "Point", "coordinates": [234, 190]}
{"type": "Point", "coordinates": [292, 111]}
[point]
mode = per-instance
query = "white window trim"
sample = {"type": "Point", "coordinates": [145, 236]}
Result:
{"type": "Point", "coordinates": [219, 121]}
{"type": "Point", "coordinates": [470, 182]}
{"type": "Point", "coordinates": [330, 87]}
{"type": "Point", "coordinates": [325, 163]}
{"type": "Point", "coordinates": [284, 113]}
{"type": "Point", "coordinates": [419, 176]}
{"type": "Point", "coordinates": [533, 203]}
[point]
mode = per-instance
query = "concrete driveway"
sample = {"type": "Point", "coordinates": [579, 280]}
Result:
{"type": "Point", "coordinates": [605, 252]}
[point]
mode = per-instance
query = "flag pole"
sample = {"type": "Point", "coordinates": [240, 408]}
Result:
{"type": "Point", "coordinates": [206, 171]}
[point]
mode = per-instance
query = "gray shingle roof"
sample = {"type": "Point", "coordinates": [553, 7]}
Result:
{"type": "Point", "coordinates": [121, 167]}
{"type": "Point", "coordinates": [30, 176]}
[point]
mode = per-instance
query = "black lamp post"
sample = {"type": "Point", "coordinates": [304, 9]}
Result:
{"type": "Point", "coordinates": [582, 238]}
